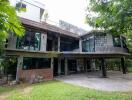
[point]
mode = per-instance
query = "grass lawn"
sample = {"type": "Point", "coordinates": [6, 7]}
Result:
{"type": "Point", "coordinates": [56, 90]}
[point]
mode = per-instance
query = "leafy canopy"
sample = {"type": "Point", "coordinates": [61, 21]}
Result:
{"type": "Point", "coordinates": [9, 22]}
{"type": "Point", "coordinates": [113, 15]}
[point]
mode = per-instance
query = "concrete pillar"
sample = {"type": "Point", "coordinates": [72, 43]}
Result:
{"type": "Point", "coordinates": [59, 66]}
{"type": "Point", "coordinates": [78, 65]}
{"type": "Point", "coordinates": [121, 41]}
{"type": "Point", "coordinates": [103, 65]}
{"type": "Point", "coordinates": [43, 42]}
{"type": "Point", "coordinates": [12, 41]}
{"type": "Point", "coordinates": [58, 43]}
{"type": "Point", "coordinates": [85, 64]}
{"type": "Point", "coordinates": [66, 66]}
{"type": "Point", "coordinates": [93, 66]}
{"type": "Point", "coordinates": [52, 63]}
{"type": "Point", "coordinates": [19, 67]}
{"type": "Point", "coordinates": [123, 65]}
{"type": "Point", "coordinates": [80, 45]}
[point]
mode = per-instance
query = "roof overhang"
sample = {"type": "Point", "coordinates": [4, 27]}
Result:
{"type": "Point", "coordinates": [46, 26]}
{"type": "Point", "coordinates": [27, 53]}
{"type": "Point", "coordinates": [94, 55]}
{"type": "Point", "coordinates": [50, 54]}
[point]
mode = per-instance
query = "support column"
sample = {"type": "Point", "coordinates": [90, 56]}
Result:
{"type": "Point", "coordinates": [43, 44]}
{"type": "Point", "coordinates": [52, 63]}
{"type": "Point", "coordinates": [80, 45]}
{"type": "Point", "coordinates": [59, 66]}
{"type": "Point", "coordinates": [58, 43]}
{"type": "Point", "coordinates": [19, 67]}
{"type": "Point", "coordinates": [85, 64]}
{"type": "Point", "coordinates": [78, 65]}
{"type": "Point", "coordinates": [66, 66]}
{"type": "Point", "coordinates": [93, 65]}
{"type": "Point", "coordinates": [52, 66]}
{"type": "Point", "coordinates": [123, 65]}
{"type": "Point", "coordinates": [103, 65]}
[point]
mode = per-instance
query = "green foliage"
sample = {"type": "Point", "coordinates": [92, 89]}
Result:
{"type": "Point", "coordinates": [6, 64]}
{"type": "Point", "coordinates": [114, 15]}
{"type": "Point", "coordinates": [9, 22]}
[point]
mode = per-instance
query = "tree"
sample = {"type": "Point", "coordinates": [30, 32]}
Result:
{"type": "Point", "coordinates": [111, 15]}
{"type": "Point", "coordinates": [114, 15]}
{"type": "Point", "coordinates": [9, 22]}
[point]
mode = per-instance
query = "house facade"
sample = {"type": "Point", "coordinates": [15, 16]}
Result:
{"type": "Point", "coordinates": [47, 50]}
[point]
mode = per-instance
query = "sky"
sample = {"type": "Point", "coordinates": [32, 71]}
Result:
{"type": "Point", "coordinates": [71, 11]}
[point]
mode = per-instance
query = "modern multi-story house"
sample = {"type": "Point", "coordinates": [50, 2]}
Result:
{"type": "Point", "coordinates": [48, 50]}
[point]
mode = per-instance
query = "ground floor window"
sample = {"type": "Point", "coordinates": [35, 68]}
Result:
{"type": "Point", "coordinates": [36, 63]}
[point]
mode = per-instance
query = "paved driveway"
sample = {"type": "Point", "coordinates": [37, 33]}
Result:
{"type": "Point", "coordinates": [116, 81]}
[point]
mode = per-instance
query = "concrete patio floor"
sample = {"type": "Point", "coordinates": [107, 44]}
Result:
{"type": "Point", "coordinates": [116, 81]}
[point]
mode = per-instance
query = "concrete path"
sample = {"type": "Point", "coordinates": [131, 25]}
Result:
{"type": "Point", "coordinates": [116, 81]}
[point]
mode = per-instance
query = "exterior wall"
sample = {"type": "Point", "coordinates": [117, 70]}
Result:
{"type": "Point", "coordinates": [12, 41]}
{"type": "Point", "coordinates": [109, 47]}
{"type": "Point", "coordinates": [29, 74]}
{"type": "Point", "coordinates": [109, 40]}
{"type": "Point", "coordinates": [32, 9]}
{"type": "Point", "coordinates": [32, 13]}
{"type": "Point", "coordinates": [43, 42]}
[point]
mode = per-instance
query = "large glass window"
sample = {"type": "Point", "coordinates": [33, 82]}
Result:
{"type": "Point", "coordinates": [116, 41]}
{"type": "Point", "coordinates": [20, 6]}
{"type": "Point", "coordinates": [31, 41]}
{"type": "Point", "coordinates": [124, 42]}
{"type": "Point", "coordinates": [88, 45]}
{"type": "Point", "coordinates": [36, 63]}
{"type": "Point", "coordinates": [68, 44]}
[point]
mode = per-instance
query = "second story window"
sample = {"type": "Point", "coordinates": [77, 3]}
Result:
{"type": "Point", "coordinates": [116, 41]}
{"type": "Point", "coordinates": [124, 42]}
{"type": "Point", "coordinates": [20, 6]}
{"type": "Point", "coordinates": [88, 44]}
{"type": "Point", "coordinates": [31, 41]}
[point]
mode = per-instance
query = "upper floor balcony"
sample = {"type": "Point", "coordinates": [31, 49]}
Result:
{"type": "Point", "coordinates": [103, 43]}
{"type": "Point", "coordinates": [45, 37]}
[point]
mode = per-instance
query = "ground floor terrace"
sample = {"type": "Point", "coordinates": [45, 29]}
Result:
{"type": "Point", "coordinates": [48, 65]}
{"type": "Point", "coordinates": [116, 81]}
